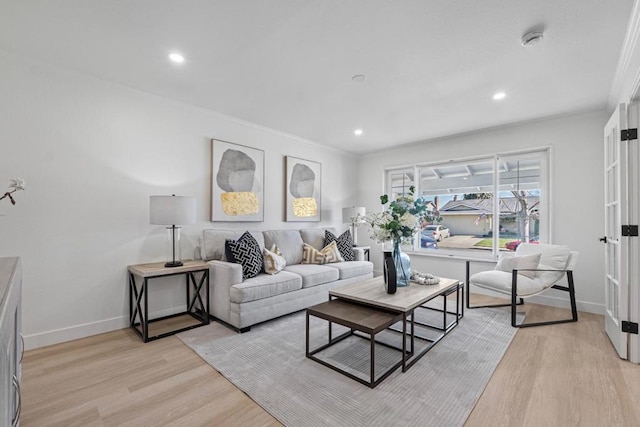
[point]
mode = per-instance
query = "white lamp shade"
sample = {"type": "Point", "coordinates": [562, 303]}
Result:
{"type": "Point", "coordinates": [349, 214]}
{"type": "Point", "coordinates": [172, 210]}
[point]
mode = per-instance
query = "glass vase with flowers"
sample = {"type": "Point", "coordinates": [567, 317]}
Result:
{"type": "Point", "coordinates": [397, 223]}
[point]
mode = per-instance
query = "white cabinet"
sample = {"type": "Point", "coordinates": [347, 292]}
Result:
{"type": "Point", "coordinates": [11, 347]}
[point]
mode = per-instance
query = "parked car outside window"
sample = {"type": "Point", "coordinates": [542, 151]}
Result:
{"type": "Point", "coordinates": [427, 240]}
{"type": "Point", "coordinates": [438, 232]}
{"type": "Point", "coordinates": [513, 245]}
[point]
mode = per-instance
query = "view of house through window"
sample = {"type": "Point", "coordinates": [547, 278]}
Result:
{"type": "Point", "coordinates": [489, 204]}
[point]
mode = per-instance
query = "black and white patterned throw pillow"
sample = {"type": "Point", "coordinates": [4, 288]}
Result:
{"type": "Point", "coordinates": [344, 242]}
{"type": "Point", "coordinates": [245, 251]}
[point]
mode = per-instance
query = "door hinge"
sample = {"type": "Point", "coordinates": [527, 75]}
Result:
{"type": "Point", "coordinates": [630, 327]}
{"type": "Point", "coordinates": [629, 134]}
{"type": "Point", "coordinates": [630, 230]}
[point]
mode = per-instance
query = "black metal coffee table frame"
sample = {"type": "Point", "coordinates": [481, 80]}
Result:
{"type": "Point", "coordinates": [384, 320]}
{"type": "Point", "coordinates": [408, 356]}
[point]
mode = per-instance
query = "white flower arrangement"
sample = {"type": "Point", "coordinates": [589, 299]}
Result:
{"type": "Point", "coordinates": [16, 184]}
{"type": "Point", "coordinates": [401, 220]}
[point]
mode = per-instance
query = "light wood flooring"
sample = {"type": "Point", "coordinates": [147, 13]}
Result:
{"type": "Point", "coordinates": [559, 375]}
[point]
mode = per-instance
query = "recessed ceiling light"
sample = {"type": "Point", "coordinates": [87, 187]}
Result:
{"type": "Point", "coordinates": [176, 57]}
{"type": "Point", "coordinates": [359, 78]}
{"type": "Point", "coordinates": [499, 95]}
{"type": "Point", "coordinates": [358, 132]}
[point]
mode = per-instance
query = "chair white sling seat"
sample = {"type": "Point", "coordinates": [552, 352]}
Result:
{"type": "Point", "coordinates": [555, 262]}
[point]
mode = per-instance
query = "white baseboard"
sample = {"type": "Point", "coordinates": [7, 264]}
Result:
{"type": "Point", "coordinates": [94, 328]}
{"type": "Point", "coordinates": [585, 306]}
{"type": "Point", "coordinates": [57, 336]}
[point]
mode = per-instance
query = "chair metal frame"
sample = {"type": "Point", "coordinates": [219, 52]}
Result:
{"type": "Point", "coordinates": [514, 296]}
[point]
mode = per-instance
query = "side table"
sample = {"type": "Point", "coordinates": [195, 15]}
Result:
{"type": "Point", "coordinates": [365, 250]}
{"type": "Point", "coordinates": [139, 296]}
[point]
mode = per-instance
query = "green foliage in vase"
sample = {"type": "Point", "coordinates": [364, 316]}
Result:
{"type": "Point", "coordinates": [401, 219]}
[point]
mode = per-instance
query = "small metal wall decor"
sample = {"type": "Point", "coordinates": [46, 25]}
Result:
{"type": "Point", "coordinates": [390, 282]}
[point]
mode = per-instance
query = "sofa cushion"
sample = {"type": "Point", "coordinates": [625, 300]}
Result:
{"type": "Point", "coordinates": [328, 254]}
{"type": "Point", "coordinates": [288, 241]}
{"type": "Point", "coordinates": [212, 242]}
{"type": "Point", "coordinates": [501, 281]}
{"type": "Point", "coordinates": [351, 269]}
{"type": "Point", "coordinates": [524, 263]}
{"type": "Point", "coordinates": [212, 245]}
{"type": "Point", "coordinates": [265, 286]}
{"type": "Point", "coordinates": [344, 242]}
{"type": "Point", "coordinates": [313, 274]}
{"type": "Point", "coordinates": [274, 262]}
{"type": "Point", "coordinates": [552, 257]}
{"type": "Point", "coordinates": [246, 251]}
{"type": "Point", "coordinates": [315, 236]}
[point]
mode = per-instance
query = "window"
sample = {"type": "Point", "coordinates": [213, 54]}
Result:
{"type": "Point", "coordinates": [484, 205]}
{"type": "Point", "coordinates": [399, 182]}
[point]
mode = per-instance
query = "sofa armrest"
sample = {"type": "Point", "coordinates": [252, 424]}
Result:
{"type": "Point", "coordinates": [222, 275]}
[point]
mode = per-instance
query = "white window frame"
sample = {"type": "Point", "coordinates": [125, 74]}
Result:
{"type": "Point", "coordinates": [543, 153]}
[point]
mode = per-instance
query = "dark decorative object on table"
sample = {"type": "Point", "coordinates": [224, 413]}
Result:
{"type": "Point", "coordinates": [398, 223]}
{"type": "Point", "coordinates": [390, 282]}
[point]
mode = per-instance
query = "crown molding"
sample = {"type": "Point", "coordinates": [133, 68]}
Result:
{"type": "Point", "coordinates": [627, 73]}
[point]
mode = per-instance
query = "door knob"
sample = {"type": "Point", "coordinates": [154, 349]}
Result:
{"type": "Point", "coordinates": [603, 239]}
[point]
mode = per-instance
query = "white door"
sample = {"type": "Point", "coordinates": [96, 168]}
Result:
{"type": "Point", "coordinates": [633, 243]}
{"type": "Point", "coordinates": [615, 212]}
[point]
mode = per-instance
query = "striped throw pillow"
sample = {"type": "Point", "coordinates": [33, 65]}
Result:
{"type": "Point", "coordinates": [328, 254]}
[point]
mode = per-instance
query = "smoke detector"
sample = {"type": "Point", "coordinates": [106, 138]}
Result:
{"type": "Point", "coordinates": [532, 38]}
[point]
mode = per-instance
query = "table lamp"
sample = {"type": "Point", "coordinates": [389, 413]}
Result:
{"type": "Point", "coordinates": [172, 210]}
{"type": "Point", "coordinates": [353, 215]}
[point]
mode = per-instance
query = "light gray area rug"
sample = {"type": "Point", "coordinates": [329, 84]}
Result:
{"type": "Point", "coordinates": [268, 363]}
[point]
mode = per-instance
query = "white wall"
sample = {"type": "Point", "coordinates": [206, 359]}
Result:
{"type": "Point", "coordinates": [92, 153]}
{"type": "Point", "coordinates": [577, 181]}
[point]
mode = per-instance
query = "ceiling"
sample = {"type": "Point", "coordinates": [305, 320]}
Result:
{"type": "Point", "coordinates": [431, 66]}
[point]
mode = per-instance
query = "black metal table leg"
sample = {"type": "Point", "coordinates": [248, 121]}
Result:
{"type": "Point", "coordinates": [145, 318]}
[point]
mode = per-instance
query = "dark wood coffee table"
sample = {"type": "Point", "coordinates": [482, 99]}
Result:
{"type": "Point", "coordinates": [366, 307]}
{"type": "Point", "coordinates": [358, 318]}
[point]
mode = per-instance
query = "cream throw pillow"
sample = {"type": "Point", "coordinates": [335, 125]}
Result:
{"type": "Point", "coordinates": [274, 261]}
{"type": "Point", "coordinates": [508, 262]}
{"type": "Point", "coordinates": [328, 254]}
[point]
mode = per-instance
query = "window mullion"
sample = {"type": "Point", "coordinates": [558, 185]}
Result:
{"type": "Point", "coordinates": [496, 207]}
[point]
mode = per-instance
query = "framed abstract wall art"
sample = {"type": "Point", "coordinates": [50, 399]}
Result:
{"type": "Point", "coordinates": [303, 185]}
{"type": "Point", "coordinates": [237, 182]}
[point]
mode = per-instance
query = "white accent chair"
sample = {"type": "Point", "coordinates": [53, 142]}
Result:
{"type": "Point", "coordinates": [533, 269]}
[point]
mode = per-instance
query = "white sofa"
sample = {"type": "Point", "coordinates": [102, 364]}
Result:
{"type": "Point", "coordinates": [243, 303]}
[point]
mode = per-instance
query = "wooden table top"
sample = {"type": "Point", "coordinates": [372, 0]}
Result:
{"type": "Point", "coordinates": [366, 319]}
{"type": "Point", "coordinates": [372, 292]}
{"type": "Point", "coordinates": [156, 269]}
